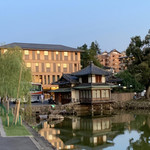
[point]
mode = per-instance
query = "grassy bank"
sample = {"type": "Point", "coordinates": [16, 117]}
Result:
{"type": "Point", "coordinates": [13, 130]}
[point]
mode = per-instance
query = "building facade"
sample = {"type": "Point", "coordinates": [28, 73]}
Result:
{"type": "Point", "coordinates": [48, 62]}
{"type": "Point", "coordinates": [111, 59]}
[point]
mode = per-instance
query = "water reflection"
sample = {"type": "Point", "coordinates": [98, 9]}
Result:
{"type": "Point", "coordinates": [123, 131]}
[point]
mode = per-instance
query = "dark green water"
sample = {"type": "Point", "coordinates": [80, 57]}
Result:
{"type": "Point", "coordinates": [124, 131]}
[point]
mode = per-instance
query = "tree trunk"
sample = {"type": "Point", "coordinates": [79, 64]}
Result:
{"type": "Point", "coordinates": [148, 92]}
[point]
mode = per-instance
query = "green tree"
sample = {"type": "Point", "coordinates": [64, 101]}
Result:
{"type": "Point", "coordinates": [130, 81]}
{"type": "Point", "coordinates": [140, 66]}
{"type": "Point", "coordinates": [90, 54]}
{"type": "Point", "coordinates": [12, 66]}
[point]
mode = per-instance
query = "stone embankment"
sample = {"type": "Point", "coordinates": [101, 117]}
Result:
{"type": "Point", "coordinates": [132, 105]}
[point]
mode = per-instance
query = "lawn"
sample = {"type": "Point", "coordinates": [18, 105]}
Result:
{"type": "Point", "coordinates": [13, 130]}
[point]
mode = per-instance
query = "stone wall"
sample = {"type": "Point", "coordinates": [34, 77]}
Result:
{"type": "Point", "coordinates": [122, 96]}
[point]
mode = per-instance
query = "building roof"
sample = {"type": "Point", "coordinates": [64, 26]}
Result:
{"type": "Point", "coordinates": [34, 46]}
{"type": "Point", "coordinates": [114, 50]}
{"type": "Point", "coordinates": [66, 78]}
{"type": "Point", "coordinates": [91, 70]}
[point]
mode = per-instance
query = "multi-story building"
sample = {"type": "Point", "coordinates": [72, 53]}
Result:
{"type": "Point", "coordinates": [48, 62]}
{"type": "Point", "coordinates": [111, 59]}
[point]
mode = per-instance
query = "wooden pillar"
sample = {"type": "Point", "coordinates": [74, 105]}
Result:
{"type": "Point", "coordinates": [7, 104]}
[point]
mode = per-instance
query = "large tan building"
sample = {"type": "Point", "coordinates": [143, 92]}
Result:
{"type": "Point", "coordinates": [48, 62]}
{"type": "Point", "coordinates": [111, 59]}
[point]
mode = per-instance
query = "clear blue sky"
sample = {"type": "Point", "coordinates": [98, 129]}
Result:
{"type": "Point", "coordinates": [74, 22]}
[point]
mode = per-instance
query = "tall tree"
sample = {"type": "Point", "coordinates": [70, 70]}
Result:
{"type": "Point", "coordinates": [12, 66]}
{"type": "Point", "coordinates": [140, 66]}
{"type": "Point", "coordinates": [90, 54]}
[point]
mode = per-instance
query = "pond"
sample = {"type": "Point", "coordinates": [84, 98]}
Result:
{"type": "Point", "coordinates": [123, 131]}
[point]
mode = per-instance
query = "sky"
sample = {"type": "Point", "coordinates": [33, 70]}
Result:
{"type": "Point", "coordinates": [74, 22]}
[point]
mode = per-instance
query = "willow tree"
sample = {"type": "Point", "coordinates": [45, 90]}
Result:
{"type": "Point", "coordinates": [11, 67]}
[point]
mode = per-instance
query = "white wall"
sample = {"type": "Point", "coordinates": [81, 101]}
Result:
{"type": "Point", "coordinates": [103, 79]}
{"type": "Point", "coordinates": [93, 79]}
{"type": "Point", "coordinates": [75, 95]}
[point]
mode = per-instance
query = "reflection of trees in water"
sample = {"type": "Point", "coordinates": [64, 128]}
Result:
{"type": "Point", "coordinates": [142, 123]}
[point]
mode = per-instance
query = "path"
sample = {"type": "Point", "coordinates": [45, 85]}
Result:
{"type": "Point", "coordinates": [20, 143]}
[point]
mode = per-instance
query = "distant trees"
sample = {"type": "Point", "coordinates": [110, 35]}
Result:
{"type": "Point", "coordinates": [90, 54]}
{"type": "Point", "coordinates": [130, 81]}
{"type": "Point", "coordinates": [13, 69]}
{"type": "Point", "coordinates": [140, 66]}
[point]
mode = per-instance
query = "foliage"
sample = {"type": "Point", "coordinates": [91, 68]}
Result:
{"type": "Point", "coordinates": [140, 66]}
{"type": "Point", "coordinates": [130, 81]}
{"type": "Point", "coordinates": [90, 54]}
{"type": "Point", "coordinates": [12, 66]}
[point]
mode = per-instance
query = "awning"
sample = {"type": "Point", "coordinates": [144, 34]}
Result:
{"type": "Point", "coordinates": [61, 90]}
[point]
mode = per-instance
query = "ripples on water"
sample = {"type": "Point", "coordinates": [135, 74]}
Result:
{"type": "Point", "coordinates": [124, 131]}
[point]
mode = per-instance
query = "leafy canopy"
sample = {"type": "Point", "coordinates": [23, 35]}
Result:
{"type": "Point", "coordinates": [12, 66]}
{"type": "Point", "coordinates": [90, 54]}
{"type": "Point", "coordinates": [140, 66]}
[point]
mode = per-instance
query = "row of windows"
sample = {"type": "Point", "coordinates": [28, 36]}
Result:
{"type": "Point", "coordinates": [45, 79]}
{"type": "Point", "coordinates": [47, 67]}
{"type": "Point", "coordinates": [59, 55]}
{"type": "Point", "coordinates": [26, 52]}
{"type": "Point", "coordinates": [94, 94]}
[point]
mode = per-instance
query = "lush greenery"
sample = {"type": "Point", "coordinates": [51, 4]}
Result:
{"type": "Point", "coordinates": [139, 61]}
{"type": "Point", "coordinates": [13, 69]}
{"type": "Point", "coordinates": [14, 130]}
{"type": "Point", "coordinates": [90, 54]}
{"type": "Point", "coordinates": [130, 82]}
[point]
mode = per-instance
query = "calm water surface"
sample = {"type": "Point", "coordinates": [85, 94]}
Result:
{"type": "Point", "coordinates": [124, 131]}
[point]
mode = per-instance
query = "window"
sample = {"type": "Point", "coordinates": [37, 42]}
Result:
{"type": "Point", "coordinates": [105, 93]}
{"type": "Point", "coordinates": [37, 67]}
{"type": "Point", "coordinates": [58, 77]}
{"type": "Point", "coordinates": [59, 69]}
{"type": "Point", "coordinates": [94, 94]}
{"type": "Point", "coordinates": [33, 55]}
{"type": "Point", "coordinates": [26, 52]}
{"type": "Point", "coordinates": [48, 79]}
{"type": "Point", "coordinates": [65, 53]}
{"type": "Point", "coordinates": [44, 79]}
{"type": "Point", "coordinates": [64, 65]}
{"type": "Point", "coordinates": [28, 65]}
{"type": "Point", "coordinates": [52, 55]}
{"type": "Point", "coordinates": [75, 67]}
{"type": "Point", "coordinates": [45, 53]}
{"type": "Point", "coordinates": [98, 79]}
{"type": "Point", "coordinates": [54, 67]}
{"type": "Point", "coordinates": [43, 67]}
{"type": "Point", "coordinates": [38, 52]}
{"type": "Point", "coordinates": [53, 78]}
{"type": "Point", "coordinates": [56, 52]}
{"type": "Point", "coordinates": [76, 56]}
{"type": "Point", "coordinates": [47, 65]}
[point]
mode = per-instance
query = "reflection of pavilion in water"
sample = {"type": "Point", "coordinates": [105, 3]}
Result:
{"type": "Point", "coordinates": [50, 134]}
{"type": "Point", "coordinates": [81, 133]}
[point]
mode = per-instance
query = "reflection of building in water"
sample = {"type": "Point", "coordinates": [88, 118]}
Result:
{"type": "Point", "coordinates": [87, 132]}
{"type": "Point", "coordinates": [50, 135]}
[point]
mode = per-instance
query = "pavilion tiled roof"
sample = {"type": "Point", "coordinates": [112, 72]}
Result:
{"type": "Point", "coordinates": [34, 46]}
{"type": "Point", "coordinates": [67, 78]}
{"type": "Point", "coordinates": [91, 70]}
